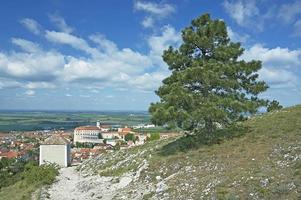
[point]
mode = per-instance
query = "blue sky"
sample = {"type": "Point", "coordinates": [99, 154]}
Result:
{"type": "Point", "coordinates": [106, 55]}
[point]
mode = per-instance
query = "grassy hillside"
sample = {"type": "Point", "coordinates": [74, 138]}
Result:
{"type": "Point", "coordinates": [32, 178]}
{"type": "Point", "coordinates": [262, 162]}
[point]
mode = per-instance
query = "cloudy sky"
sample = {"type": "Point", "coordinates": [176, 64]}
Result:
{"type": "Point", "coordinates": [106, 55]}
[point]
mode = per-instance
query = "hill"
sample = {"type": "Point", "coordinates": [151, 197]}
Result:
{"type": "Point", "coordinates": [263, 161]}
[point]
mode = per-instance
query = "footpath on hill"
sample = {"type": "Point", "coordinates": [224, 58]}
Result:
{"type": "Point", "coordinates": [73, 185]}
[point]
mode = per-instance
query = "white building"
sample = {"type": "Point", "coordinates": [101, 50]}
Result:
{"type": "Point", "coordinates": [89, 134]}
{"type": "Point", "coordinates": [141, 139]}
{"type": "Point", "coordinates": [55, 149]}
{"type": "Point", "coordinates": [110, 135]}
{"type": "Point", "coordinates": [111, 142]}
{"type": "Point", "coordinates": [144, 126]}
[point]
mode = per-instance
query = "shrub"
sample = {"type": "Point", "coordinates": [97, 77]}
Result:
{"type": "Point", "coordinates": [195, 141]}
{"type": "Point", "coordinates": [154, 136]}
{"type": "Point", "coordinates": [274, 105]}
{"type": "Point", "coordinates": [130, 137]}
{"type": "Point", "coordinates": [39, 175]}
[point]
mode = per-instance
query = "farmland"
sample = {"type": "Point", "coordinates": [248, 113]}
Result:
{"type": "Point", "coordinates": [46, 120]}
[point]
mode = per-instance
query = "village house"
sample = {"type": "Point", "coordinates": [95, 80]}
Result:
{"type": "Point", "coordinates": [55, 149]}
{"type": "Point", "coordinates": [9, 155]}
{"type": "Point", "coordinates": [80, 154]}
{"type": "Point", "coordinates": [105, 128]}
{"type": "Point", "coordinates": [146, 126]}
{"type": "Point", "coordinates": [141, 138]}
{"type": "Point", "coordinates": [111, 142]}
{"type": "Point", "coordinates": [110, 135]}
{"type": "Point", "coordinates": [124, 131]}
{"type": "Point", "coordinates": [89, 134]}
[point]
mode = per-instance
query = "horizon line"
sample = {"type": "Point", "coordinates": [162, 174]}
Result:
{"type": "Point", "coordinates": [71, 110]}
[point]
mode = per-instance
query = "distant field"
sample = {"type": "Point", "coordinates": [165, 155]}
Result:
{"type": "Point", "coordinates": [42, 120]}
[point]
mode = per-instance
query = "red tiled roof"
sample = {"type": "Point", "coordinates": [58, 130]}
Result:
{"type": "Point", "coordinates": [123, 133]}
{"type": "Point", "coordinates": [10, 154]}
{"type": "Point", "coordinates": [105, 126]}
{"type": "Point", "coordinates": [126, 129]}
{"type": "Point", "coordinates": [55, 139]}
{"type": "Point", "coordinates": [87, 128]}
{"type": "Point", "coordinates": [84, 150]}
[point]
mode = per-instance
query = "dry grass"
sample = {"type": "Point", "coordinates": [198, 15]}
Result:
{"type": "Point", "coordinates": [262, 161]}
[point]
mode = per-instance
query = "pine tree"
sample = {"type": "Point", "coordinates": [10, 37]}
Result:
{"type": "Point", "coordinates": [209, 84]}
{"type": "Point", "coordinates": [274, 105]}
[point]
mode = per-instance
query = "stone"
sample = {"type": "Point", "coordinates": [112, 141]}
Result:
{"type": "Point", "coordinates": [264, 182]}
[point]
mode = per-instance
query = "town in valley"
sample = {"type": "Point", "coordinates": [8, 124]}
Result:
{"type": "Point", "coordinates": [81, 143]}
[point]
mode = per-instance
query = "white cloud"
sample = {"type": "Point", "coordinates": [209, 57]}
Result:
{"type": "Point", "coordinates": [104, 44]}
{"type": "Point", "coordinates": [241, 11]}
{"type": "Point", "coordinates": [148, 81]}
{"type": "Point", "coordinates": [148, 22]}
{"type": "Point", "coordinates": [279, 64]}
{"type": "Point", "coordinates": [60, 23]}
{"type": "Point", "coordinates": [107, 60]}
{"type": "Point", "coordinates": [68, 95]}
{"type": "Point", "coordinates": [158, 43]}
{"type": "Point", "coordinates": [26, 45]}
{"type": "Point", "coordinates": [8, 83]}
{"type": "Point", "coordinates": [105, 65]}
{"type": "Point", "coordinates": [31, 66]}
{"type": "Point", "coordinates": [277, 76]}
{"type": "Point", "coordinates": [289, 12]}
{"type": "Point", "coordinates": [69, 39]}
{"type": "Point", "coordinates": [29, 93]}
{"type": "Point", "coordinates": [154, 12]}
{"type": "Point", "coordinates": [161, 10]}
{"type": "Point", "coordinates": [276, 57]}
{"type": "Point", "coordinates": [31, 25]}
{"type": "Point", "coordinates": [39, 85]}
{"type": "Point", "coordinates": [236, 37]}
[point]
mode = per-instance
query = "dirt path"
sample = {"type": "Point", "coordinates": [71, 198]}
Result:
{"type": "Point", "coordinates": [72, 186]}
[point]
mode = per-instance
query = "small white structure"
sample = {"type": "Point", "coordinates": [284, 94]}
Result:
{"type": "Point", "coordinates": [110, 135]}
{"type": "Point", "coordinates": [111, 142]}
{"type": "Point", "coordinates": [144, 126]}
{"type": "Point", "coordinates": [98, 124]}
{"type": "Point", "coordinates": [55, 149]}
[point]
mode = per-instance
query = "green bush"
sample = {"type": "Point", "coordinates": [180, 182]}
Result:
{"type": "Point", "coordinates": [154, 136]}
{"type": "Point", "coordinates": [130, 137]}
{"type": "Point", "coordinates": [195, 141]}
{"type": "Point", "coordinates": [10, 170]}
{"type": "Point", "coordinates": [22, 184]}
{"type": "Point", "coordinates": [39, 175]}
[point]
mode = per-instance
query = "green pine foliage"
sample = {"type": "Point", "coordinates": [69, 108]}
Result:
{"type": "Point", "coordinates": [209, 85]}
{"type": "Point", "coordinates": [274, 105]}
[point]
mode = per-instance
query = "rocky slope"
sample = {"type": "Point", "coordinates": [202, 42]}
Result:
{"type": "Point", "coordinates": [264, 162]}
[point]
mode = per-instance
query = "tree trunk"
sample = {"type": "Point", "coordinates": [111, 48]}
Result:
{"type": "Point", "coordinates": [209, 128]}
